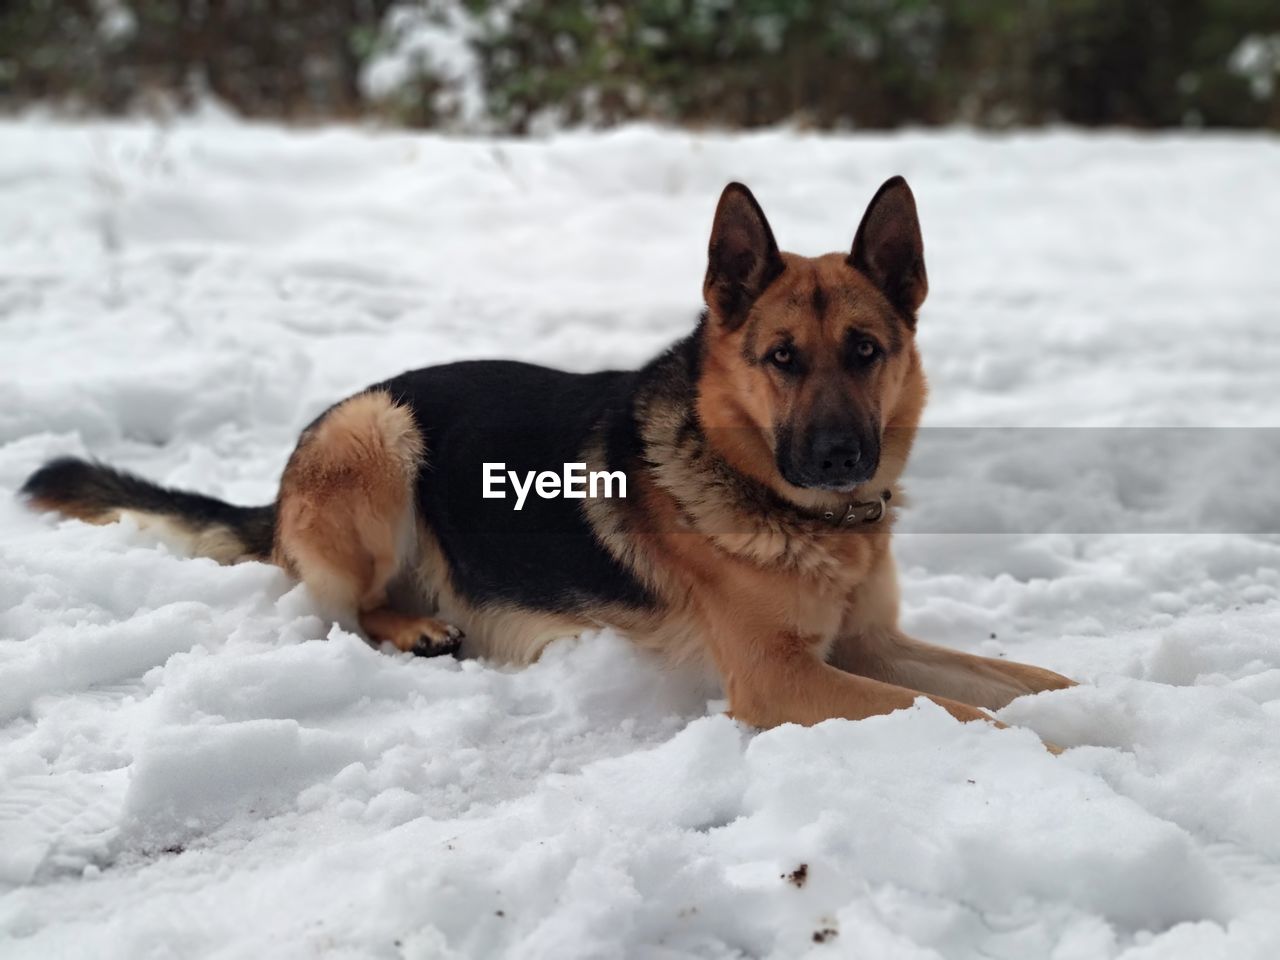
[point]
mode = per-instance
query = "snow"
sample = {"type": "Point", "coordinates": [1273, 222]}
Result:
{"type": "Point", "coordinates": [1257, 59]}
{"type": "Point", "coordinates": [194, 763]}
{"type": "Point", "coordinates": [431, 44]}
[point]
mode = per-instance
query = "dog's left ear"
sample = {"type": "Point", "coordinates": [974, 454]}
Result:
{"type": "Point", "coordinates": [742, 257]}
{"type": "Point", "coordinates": [888, 248]}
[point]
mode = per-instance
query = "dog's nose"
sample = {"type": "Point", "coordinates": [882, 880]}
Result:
{"type": "Point", "coordinates": [835, 457]}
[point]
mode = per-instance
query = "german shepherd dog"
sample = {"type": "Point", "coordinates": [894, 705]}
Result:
{"type": "Point", "coordinates": [761, 455]}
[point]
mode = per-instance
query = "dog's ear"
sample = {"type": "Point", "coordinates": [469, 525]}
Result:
{"type": "Point", "coordinates": [888, 248]}
{"type": "Point", "coordinates": [742, 257]}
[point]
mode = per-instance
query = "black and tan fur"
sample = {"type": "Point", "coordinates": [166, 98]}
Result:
{"type": "Point", "coordinates": [798, 394]}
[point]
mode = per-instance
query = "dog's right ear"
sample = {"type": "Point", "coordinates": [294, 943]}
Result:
{"type": "Point", "coordinates": [742, 257]}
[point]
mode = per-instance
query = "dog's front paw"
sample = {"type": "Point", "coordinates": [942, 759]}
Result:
{"type": "Point", "coordinates": [1038, 679]}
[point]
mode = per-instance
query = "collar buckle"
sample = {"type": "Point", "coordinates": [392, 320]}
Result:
{"type": "Point", "coordinates": [864, 511]}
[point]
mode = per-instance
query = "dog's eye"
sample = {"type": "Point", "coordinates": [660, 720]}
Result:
{"type": "Point", "coordinates": [782, 357]}
{"type": "Point", "coordinates": [867, 349]}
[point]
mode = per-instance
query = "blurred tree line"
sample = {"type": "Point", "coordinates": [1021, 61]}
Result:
{"type": "Point", "coordinates": [522, 64]}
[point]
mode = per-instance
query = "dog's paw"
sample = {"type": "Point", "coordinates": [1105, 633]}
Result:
{"type": "Point", "coordinates": [1039, 679]}
{"type": "Point", "coordinates": [421, 636]}
{"type": "Point", "coordinates": [437, 639]}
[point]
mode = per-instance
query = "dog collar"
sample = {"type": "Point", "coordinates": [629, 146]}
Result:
{"type": "Point", "coordinates": [860, 511]}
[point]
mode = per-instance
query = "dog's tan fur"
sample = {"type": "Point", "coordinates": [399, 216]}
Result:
{"type": "Point", "coordinates": [346, 518]}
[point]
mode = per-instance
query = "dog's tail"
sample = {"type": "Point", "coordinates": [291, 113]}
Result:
{"type": "Point", "coordinates": [96, 493]}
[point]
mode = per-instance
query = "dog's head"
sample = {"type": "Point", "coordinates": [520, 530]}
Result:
{"type": "Point", "coordinates": [810, 377]}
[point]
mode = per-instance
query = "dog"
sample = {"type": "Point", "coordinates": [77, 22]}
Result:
{"type": "Point", "coordinates": [761, 457]}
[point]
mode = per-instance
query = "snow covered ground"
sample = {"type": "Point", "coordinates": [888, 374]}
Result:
{"type": "Point", "coordinates": [188, 768]}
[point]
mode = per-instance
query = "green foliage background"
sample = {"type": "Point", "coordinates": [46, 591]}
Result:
{"type": "Point", "coordinates": [828, 63]}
